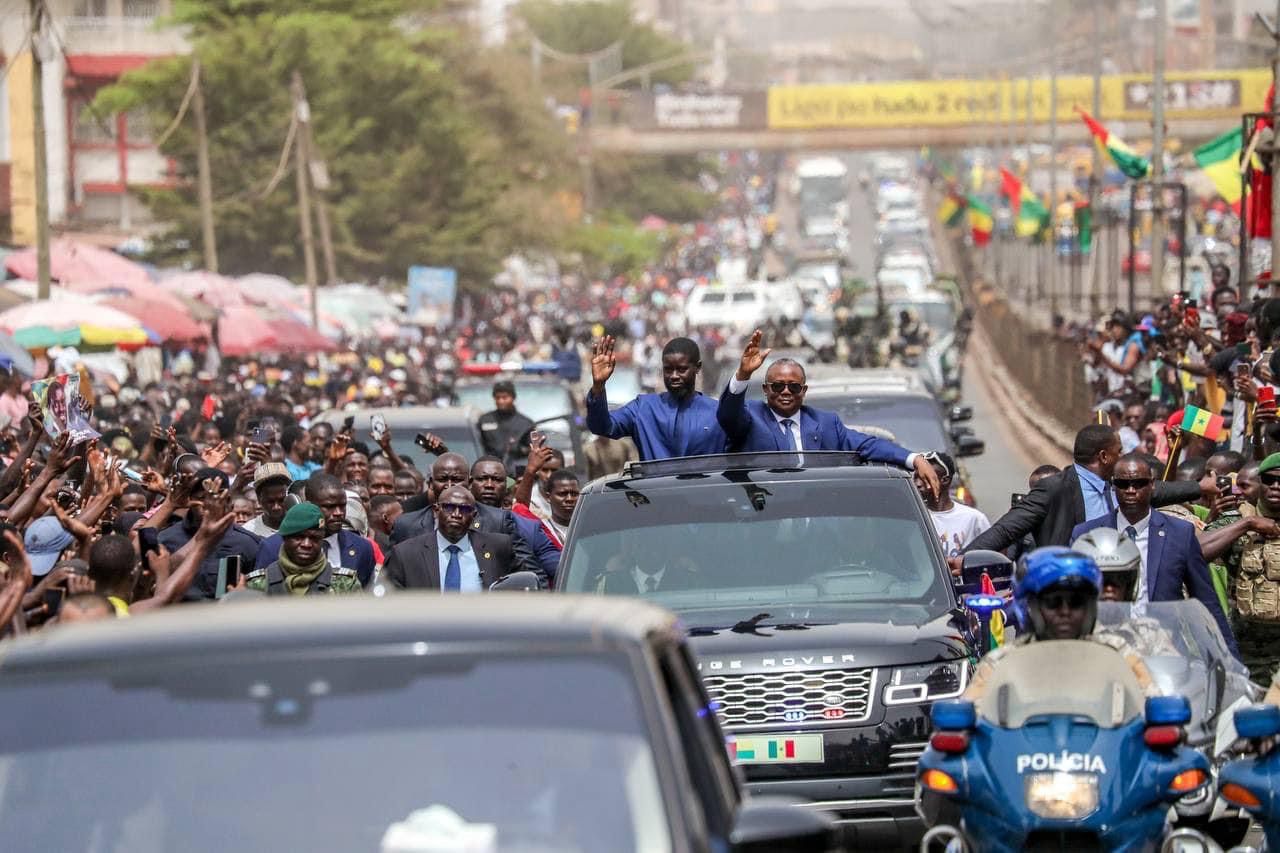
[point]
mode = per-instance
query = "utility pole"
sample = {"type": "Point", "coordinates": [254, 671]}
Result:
{"type": "Point", "coordinates": [1095, 170]}
{"type": "Point", "coordinates": [204, 180]}
{"type": "Point", "coordinates": [320, 182]}
{"type": "Point", "coordinates": [1275, 159]}
{"type": "Point", "coordinates": [301, 161]}
{"type": "Point", "coordinates": [42, 161]}
{"type": "Point", "coordinates": [1157, 155]}
{"type": "Point", "coordinates": [1052, 262]}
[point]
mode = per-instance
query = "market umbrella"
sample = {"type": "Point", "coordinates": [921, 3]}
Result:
{"type": "Point", "coordinates": [160, 318]}
{"type": "Point", "coordinates": [14, 358]}
{"type": "Point", "coordinates": [70, 260]}
{"type": "Point", "coordinates": [210, 288]}
{"type": "Point", "coordinates": [70, 321]}
{"type": "Point", "coordinates": [273, 290]}
{"type": "Point", "coordinates": [294, 336]}
{"type": "Point", "coordinates": [149, 292]}
{"type": "Point", "coordinates": [242, 330]}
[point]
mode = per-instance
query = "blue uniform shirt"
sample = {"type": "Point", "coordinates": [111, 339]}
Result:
{"type": "Point", "coordinates": [1098, 500]}
{"type": "Point", "coordinates": [660, 426]}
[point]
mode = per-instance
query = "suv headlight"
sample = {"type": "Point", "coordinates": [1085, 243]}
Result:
{"type": "Point", "coordinates": [1062, 796]}
{"type": "Point", "coordinates": [927, 682]}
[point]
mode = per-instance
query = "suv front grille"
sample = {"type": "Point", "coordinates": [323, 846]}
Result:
{"type": "Point", "coordinates": [815, 697]}
{"type": "Point", "coordinates": [905, 756]}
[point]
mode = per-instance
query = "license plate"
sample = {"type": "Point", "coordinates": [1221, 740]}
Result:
{"type": "Point", "coordinates": [776, 749]}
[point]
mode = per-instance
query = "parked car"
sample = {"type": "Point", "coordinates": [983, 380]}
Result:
{"type": "Point", "coordinates": [412, 722]}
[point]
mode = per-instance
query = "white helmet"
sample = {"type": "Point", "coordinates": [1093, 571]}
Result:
{"type": "Point", "coordinates": [1116, 555]}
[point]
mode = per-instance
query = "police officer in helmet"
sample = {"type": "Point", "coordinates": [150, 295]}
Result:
{"type": "Point", "coordinates": [1120, 561]}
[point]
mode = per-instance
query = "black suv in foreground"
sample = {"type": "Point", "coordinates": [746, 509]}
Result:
{"type": "Point", "coordinates": [498, 723]}
{"type": "Point", "coordinates": [819, 606]}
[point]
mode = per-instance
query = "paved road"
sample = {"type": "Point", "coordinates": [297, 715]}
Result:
{"type": "Point", "coordinates": [1003, 469]}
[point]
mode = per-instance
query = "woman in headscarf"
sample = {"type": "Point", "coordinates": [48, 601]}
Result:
{"type": "Point", "coordinates": [1154, 441]}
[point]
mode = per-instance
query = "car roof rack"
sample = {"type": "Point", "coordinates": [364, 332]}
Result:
{"type": "Point", "coordinates": [718, 462]}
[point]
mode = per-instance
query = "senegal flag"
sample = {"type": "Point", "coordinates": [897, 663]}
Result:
{"type": "Point", "coordinates": [1220, 160]}
{"type": "Point", "coordinates": [1201, 422]}
{"type": "Point", "coordinates": [1128, 160]}
{"type": "Point", "coordinates": [950, 211]}
{"type": "Point", "coordinates": [1029, 214]}
{"type": "Point", "coordinates": [981, 222]}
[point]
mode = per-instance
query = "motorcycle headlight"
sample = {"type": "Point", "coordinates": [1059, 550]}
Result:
{"type": "Point", "coordinates": [1062, 796]}
{"type": "Point", "coordinates": [927, 682]}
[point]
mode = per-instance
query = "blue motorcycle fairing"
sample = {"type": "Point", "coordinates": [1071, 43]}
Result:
{"type": "Point", "coordinates": [1261, 776]}
{"type": "Point", "coordinates": [1133, 780]}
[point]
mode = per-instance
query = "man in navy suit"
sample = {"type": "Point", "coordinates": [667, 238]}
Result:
{"type": "Point", "coordinates": [345, 548]}
{"type": "Point", "coordinates": [784, 422]}
{"type": "Point", "coordinates": [1171, 558]}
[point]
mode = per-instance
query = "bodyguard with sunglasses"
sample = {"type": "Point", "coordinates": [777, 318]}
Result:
{"type": "Point", "coordinates": [1173, 565]}
{"type": "Point", "coordinates": [454, 557]}
{"type": "Point", "coordinates": [784, 422]}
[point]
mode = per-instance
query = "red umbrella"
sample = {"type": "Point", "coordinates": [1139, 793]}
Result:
{"type": "Point", "coordinates": [160, 318]}
{"type": "Point", "coordinates": [244, 331]}
{"type": "Point", "coordinates": [294, 336]}
{"type": "Point", "coordinates": [79, 262]}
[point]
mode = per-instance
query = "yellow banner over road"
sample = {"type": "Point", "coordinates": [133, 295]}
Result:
{"type": "Point", "coordinates": [934, 103]}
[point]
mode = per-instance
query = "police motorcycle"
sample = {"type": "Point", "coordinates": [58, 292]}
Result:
{"type": "Point", "coordinates": [1055, 745]}
{"type": "Point", "coordinates": [1186, 655]}
{"type": "Point", "coordinates": [1253, 783]}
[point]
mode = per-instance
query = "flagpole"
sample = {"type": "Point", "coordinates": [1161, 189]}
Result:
{"type": "Point", "coordinates": [1275, 156]}
{"type": "Point", "coordinates": [1174, 449]}
{"type": "Point", "coordinates": [1157, 156]}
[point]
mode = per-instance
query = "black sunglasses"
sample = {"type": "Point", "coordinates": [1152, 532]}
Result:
{"type": "Point", "coordinates": [1057, 600]}
{"type": "Point", "coordinates": [779, 387]}
{"type": "Point", "coordinates": [1270, 479]}
{"type": "Point", "coordinates": [1123, 485]}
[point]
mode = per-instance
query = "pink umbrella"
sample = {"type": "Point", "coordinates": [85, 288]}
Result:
{"type": "Point", "coordinates": [148, 292]}
{"type": "Point", "coordinates": [274, 290]}
{"type": "Point", "coordinates": [211, 288]}
{"type": "Point", "coordinates": [160, 318]}
{"type": "Point", "coordinates": [72, 261]}
{"type": "Point", "coordinates": [243, 330]}
{"type": "Point", "coordinates": [294, 336]}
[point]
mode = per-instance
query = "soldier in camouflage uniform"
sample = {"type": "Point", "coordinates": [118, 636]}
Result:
{"type": "Point", "coordinates": [1254, 566]}
{"type": "Point", "coordinates": [302, 567]}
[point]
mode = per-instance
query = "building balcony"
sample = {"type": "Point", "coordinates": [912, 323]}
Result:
{"type": "Point", "coordinates": [138, 36]}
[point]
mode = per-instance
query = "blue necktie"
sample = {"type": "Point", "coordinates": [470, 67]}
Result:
{"type": "Point", "coordinates": [453, 574]}
{"type": "Point", "coordinates": [789, 438]}
{"type": "Point", "coordinates": [1131, 532]}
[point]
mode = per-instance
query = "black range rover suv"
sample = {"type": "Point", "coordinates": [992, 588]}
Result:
{"type": "Point", "coordinates": [819, 606]}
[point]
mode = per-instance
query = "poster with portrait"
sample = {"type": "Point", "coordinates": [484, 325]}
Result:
{"type": "Point", "coordinates": [64, 407]}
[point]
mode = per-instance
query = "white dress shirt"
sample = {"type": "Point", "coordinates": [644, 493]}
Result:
{"type": "Point", "coordinates": [642, 578]}
{"type": "Point", "coordinates": [333, 551]}
{"type": "Point", "coordinates": [1142, 529]}
{"type": "Point", "coordinates": [470, 575]}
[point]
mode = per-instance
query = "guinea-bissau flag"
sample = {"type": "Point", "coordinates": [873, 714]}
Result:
{"type": "Point", "coordinates": [1029, 213]}
{"type": "Point", "coordinates": [981, 223]}
{"type": "Point", "coordinates": [1220, 161]}
{"type": "Point", "coordinates": [951, 210]}
{"type": "Point", "coordinates": [1126, 159]}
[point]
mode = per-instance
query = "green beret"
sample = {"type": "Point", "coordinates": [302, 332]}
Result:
{"type": "Point", "coordinates": [1272, 461]}
{"type": "Point", "coordinates": [300, 517]}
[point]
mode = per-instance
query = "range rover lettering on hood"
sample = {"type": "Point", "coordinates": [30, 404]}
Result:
{"type": "Point", "coordinates": [778, 663]}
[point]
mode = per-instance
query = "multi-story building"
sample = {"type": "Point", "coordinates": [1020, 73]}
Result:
{"type": "Point", "coordinates": [93, 160]}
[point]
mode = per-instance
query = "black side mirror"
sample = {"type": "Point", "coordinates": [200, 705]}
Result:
{"type": "Point", "coordinates": [967, 445]}
{"type": "Point", "coordinates": [961, 413]}
{"type": "Point", "coordinates": [516, 582]}
{"type": "Point", "coordinates": [993, 564]}
{"type": "Point", "coordinates": [774, 825]}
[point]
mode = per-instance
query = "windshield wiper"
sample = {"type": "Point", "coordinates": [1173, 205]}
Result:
{"type": "Point", "coordinates": [748, 626]}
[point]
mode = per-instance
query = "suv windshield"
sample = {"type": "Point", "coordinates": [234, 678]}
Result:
{"type": "Point", "coordinates": [816, 550]}
{"type": "Point", "coordinates": [332, 753]}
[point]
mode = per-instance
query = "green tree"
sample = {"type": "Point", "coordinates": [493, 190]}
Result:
{"type": "Point", "coordinates": [432, 160]}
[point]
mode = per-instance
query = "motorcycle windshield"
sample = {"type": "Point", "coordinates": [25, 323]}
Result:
{"type": "Point", "coordinates": [1075, 678]}
{"type": "Point", "coordinates": [1185, 653]}
{"type": "Point", "coordinates": [1169, 628]}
